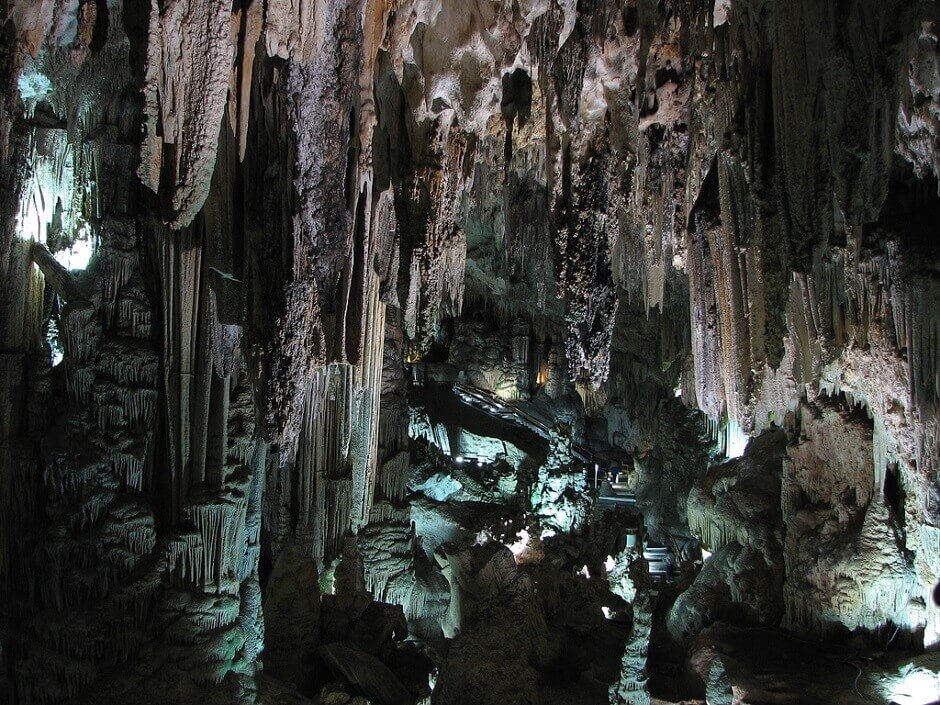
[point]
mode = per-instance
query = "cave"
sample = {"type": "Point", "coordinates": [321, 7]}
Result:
{"type": "Point", "coordinates": [469, 352]}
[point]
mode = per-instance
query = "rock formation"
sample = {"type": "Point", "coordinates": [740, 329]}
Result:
{"type": "Point", "coordinates": [469, 351]}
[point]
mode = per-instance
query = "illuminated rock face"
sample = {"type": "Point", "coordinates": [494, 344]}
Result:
{"type": "Point", "coordinates": [848, 560]}
{"type": "Point", "coordinates": [679, 255]}
{"type": "Point", "coordinates": [559, 493]}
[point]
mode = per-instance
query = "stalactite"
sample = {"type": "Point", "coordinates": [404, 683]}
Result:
{"type": "Point", "coordinates": [322, 81]}
{"type": "Point", "coordinates": [189, 56]}
{"type": "Point", "coordinates": [394, 476]}
{"type": "Point", "coordinates": [365, 441]}
{"type": "Point", "coordinates": [220, 526]}
{"type": "Point", "coordinates": [439, 255]}
{"type": "Point", "coordinates": [587, 207]}
{"type": "Point", "coordinates": [600, 214]}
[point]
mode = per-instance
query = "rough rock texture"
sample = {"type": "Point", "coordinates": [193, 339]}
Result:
{"type": "Point", "coordinates": [357, 351]}
{"type": "Point", "coordinates": [489, 665]}
{"type": "Point", "coordinates": [847, 559]}
{"type": "Point", "coordinates": [558, 495]}
{"type": "Point", "coordinates": [189, 57]}
{"type": "Point", "coordinates": [630, 580]}
{"type": "Point", "coordinates": [735, 511]}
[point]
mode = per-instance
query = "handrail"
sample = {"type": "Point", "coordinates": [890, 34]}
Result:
{"type": "Point", "coordinates": [487, 402]}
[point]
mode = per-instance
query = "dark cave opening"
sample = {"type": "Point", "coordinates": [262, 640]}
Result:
{"type": "Point", "coordinates": [893, 492]}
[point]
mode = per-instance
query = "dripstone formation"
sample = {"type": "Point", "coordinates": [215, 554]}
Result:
{"type": "Point", "coordinates": [469, 352]}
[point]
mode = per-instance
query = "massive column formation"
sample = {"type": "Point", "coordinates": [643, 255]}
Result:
{"type": "Point", "coordinates": [469, 351]}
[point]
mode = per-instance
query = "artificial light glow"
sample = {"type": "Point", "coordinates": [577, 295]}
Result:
{"type": "Point", "coordinates": [33, 87]}
{"type": "Point", "coordinates": [735, 440]}
{"type": "Point", "coordinates": [77, 256]}
{"type": "Point", "coordinates": [521, 545]}
{"type": "Point", "coordinates": [606, 610]}
{"type": "Point", "coordinates": [915, 687]}
{"type": "Point", "coordinates": [56, 351]}
{"type": "Point", "coordinates": [509, 393]}
{"type": "Point", "coordinates": [459, 459]}
{"type": "Point", "coordinates": [609, 564]}
{"type": "Point", "coordinates": [48, 195]}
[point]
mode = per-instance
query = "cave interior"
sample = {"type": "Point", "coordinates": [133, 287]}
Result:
{"type": "Point", "coordinates": [469, 352]}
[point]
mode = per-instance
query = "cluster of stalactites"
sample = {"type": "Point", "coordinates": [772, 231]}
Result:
{"type": "Point", "coordinates": [338, 453]}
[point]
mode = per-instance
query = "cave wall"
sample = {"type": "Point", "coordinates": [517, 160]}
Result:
{"type": "Point", "coordinates": [712, 219]}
